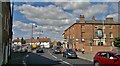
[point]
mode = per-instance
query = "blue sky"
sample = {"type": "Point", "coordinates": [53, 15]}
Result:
{"type": "Point", "coordinates": [54, 17]}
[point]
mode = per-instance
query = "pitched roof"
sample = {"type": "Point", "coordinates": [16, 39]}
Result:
{"type": "Point", "coordinates": [99, 22]}
{"type": "Point", "coordinates": [38, 40]}
{"type": "Point", "coordinates": [17, 40]}
{"type": "Point", "coordinates": [34, 40]}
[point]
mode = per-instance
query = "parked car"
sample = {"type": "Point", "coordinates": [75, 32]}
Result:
{"type": "Point", "coordinates": [53, 47]}
{"type": "Point", "coordinates": [69, 53]}
{"type": "Point", "coordinates": [24, 49]}
{"type": "Point", "coordinates": [40, 50]}
{"type": "Point", "coordinates": [107, 59]}
{"type": "Point", "coordinates": [57, 49]}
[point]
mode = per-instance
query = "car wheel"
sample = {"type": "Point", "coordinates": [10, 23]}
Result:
{"type": "Point", "coordinates": [96, 64]}
{"type": "Point", "coordinates": [66, 56]}
{"type": "Point", "coordinates": [63, 55]}
{"type": "Point", "coordinates": [76, 57]}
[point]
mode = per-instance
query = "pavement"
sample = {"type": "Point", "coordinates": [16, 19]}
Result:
{"type": "Point", "coordinates": [86, 56]}
{"type": "Point", "coordinates": [16, 58]}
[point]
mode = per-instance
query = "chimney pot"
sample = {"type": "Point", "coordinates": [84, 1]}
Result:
{"type": "Point", "coordinates": [109, 19]}
{"type": "Point", "coordinates": [93, 18]}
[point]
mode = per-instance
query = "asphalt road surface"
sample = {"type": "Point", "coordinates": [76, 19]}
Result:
{"type": "Point", "coordinates": [48, 58]}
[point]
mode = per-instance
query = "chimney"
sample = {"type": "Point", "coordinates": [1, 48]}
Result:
{"type": "Point", "coordinates": [93, 18]}
{"type": "Point", "coordinates": [109, 19]}
{"type": "Point", "coordinates": [82, 18]}
{"type": "Point", "coordinates": [37, 37]}
{"type": "Point", "coordinates": [17, 37]}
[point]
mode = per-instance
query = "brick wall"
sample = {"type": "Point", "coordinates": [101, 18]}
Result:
{"type": "Point", "coordinates": [94, 48]}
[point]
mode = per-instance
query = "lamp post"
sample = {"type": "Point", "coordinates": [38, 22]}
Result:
{"type": "Point", "coordinates": [39, 36]}
{"type": "Point", "coordinates": [32, 29]}
{"type": "Point", "coordinates": [32, 32]}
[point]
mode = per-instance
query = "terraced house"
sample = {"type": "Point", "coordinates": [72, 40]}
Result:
{"type": "Point", "coordinates": [81, 33]}
{"type": "Point", "coordinates": [5, 32]}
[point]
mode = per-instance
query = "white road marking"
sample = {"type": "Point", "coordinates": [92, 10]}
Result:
{"type": "Point", "coordinates": [27, 56]}
{"type": "Point", "coordinates": [52, 55]}
{"type": "Point", "coordinates": [85, 58]}
{"type": "Point", "coordinates": [24, 63]}
{"type": "Point", "coordinates": [24, 60]}
{"type": "Point", "coordinates": [59, 59]}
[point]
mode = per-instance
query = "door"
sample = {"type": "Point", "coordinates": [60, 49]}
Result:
{"type": "Point", "coordinates": [103, 58]}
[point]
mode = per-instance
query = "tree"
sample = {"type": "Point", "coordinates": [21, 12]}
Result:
{"type": "Point", "coordinates": [23, 41]}
{"type": "Point", "coordinates": [117, 42]}
{"type": "Point", "coordinates": [59, 43]}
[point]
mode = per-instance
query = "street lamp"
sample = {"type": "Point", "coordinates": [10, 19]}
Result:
{"type": "Point", "coordinates": [32, 29]}
{"type": "Point", "coordinates": [32, 32]}
{"type": "Point", "coordinates": [39, 35]}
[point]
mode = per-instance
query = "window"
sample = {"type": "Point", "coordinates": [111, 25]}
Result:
{"type": "Point", "coordinates": [83, 33]}
{"type": "Point", "coordinates": [5, 23]}
{"type": "Point", "coordinates": [103, 54]}
{"type": "Point", "coordinates": [83, 26]}
{"type": "Point", "coordinates": [110, 26]}
{"type": "Point", "coordinates": [96, 26]}
{"type": "Point", "coordinates": [118, 55]}
{"type": "Point", "coordinates": [111, 43]}
{"type": "Point", "coordinates": [112, 55]}
{"type": "Point", "coordinates": [111, 35]}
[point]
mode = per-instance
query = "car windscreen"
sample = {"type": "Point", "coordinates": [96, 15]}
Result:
{"type": "Point", "coordinates": [57, 47]}
{"type": "Point", "coordinates": [70, 50]}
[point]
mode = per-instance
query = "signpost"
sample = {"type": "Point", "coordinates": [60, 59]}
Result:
{"type": "Point", "coordinates": [100, 34]}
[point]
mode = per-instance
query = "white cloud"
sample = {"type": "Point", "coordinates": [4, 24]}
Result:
{"type": "Point", "coordinates": [92, 10]}
{"type": "Point", "coordinates": [50, 15]}
{"type": "Point", "coordinates": [22, 26]}
{"type": "Point", "coordinates": [115, 16]}
{"type": "Point", "coordinates": [74, 5]}
{"type": "Point", "coordinates": [27, 28]}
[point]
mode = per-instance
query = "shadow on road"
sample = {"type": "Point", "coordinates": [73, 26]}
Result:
{"type": "Point", "coordinates": [16, 58]}
{"type": "Point", "coordinates": [38, 60]}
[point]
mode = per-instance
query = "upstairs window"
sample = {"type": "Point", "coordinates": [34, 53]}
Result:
{"type": "Point", "coordinates": [110, 26]}
{"type": "Point", "coordinates": [83, 34]}
{"type": "Point", "coordinates": [111, 35]}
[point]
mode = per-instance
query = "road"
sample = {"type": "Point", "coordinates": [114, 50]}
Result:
{"type": "Point", "coordinates": [48, 58]}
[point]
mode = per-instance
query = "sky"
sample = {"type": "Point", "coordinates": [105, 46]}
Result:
{"type": "Point", "coordinates": [53, 17]}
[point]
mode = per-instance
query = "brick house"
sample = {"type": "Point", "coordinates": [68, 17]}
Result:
{"type": "Point", "coordinates": [79, 34]}
{"type": "Point", "coordinates": [5, 31]}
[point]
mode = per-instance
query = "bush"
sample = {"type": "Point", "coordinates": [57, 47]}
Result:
{"type": "Point", "coordinates": [117, 42]}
